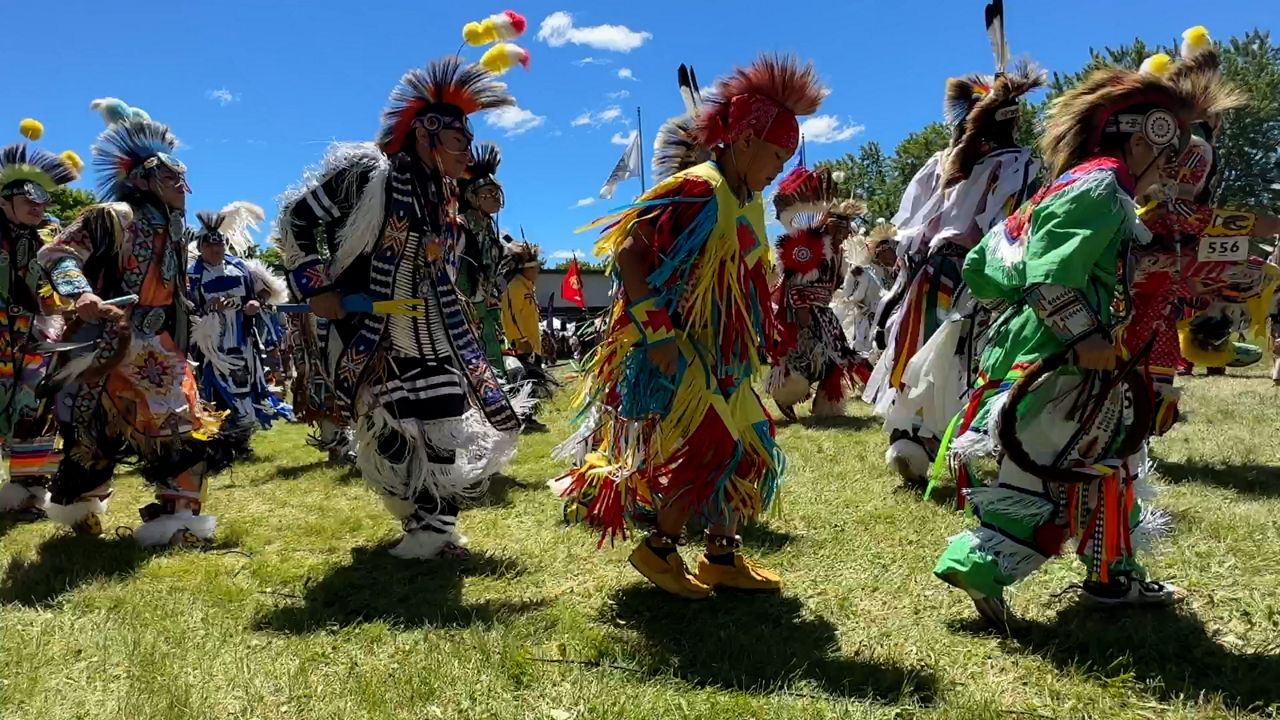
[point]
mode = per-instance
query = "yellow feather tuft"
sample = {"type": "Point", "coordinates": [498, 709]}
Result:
{"type": "Point", "coordinates": [1197, 36]}
{"type": "Point", "coordinates": [1158, 65]}
{"type": "Point", "coordinates": [31, 129]}
{"type": "Point", "coordinates": [72, 159]}
{"type": "Point", "coordinates": [480, 33]}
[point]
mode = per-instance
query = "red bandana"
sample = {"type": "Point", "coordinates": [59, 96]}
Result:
{"type": "Point", "coordinates": [764, 119]}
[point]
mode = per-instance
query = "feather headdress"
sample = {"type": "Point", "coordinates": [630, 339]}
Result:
{"type": "Point", "coordinates": [132, 142]}
{"type": "Point", "coordinates": [676, 147]}
{"type": "Point", "coordinates": [24, 168]}
{"type": "Point", "coordinates": [520, 254]}
{"type": "Point", "coordinates": [231, 225]}
{"type": "Point", "coordinates": [764, 98]}
{"type": "Point", "coordinates": [882, 232]}
{"type": "Point", "coordinates": [485, 159]}
{"type": "Point", "coordinates": [1199, 68]}
{"type": "Point", "coordinates": [481, 172]}
{"type": "Point", "coordinates": [21, 163]}
{"type": "Point", "coordinates": [986, 106]}
{"type": "Point", "coordinates": [446, 89]}
{"type": "Point", "coordinates": [804, 196]}
{"type": "Point", "coordinates": [961, 95]}
{"type": "Point", "coordinates": [1077, 119]}
{"type": "Point", "coordinates": [115, 110]}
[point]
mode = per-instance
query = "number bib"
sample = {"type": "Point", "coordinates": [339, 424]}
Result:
{"type": "Point", "coordinates": [1224, 249]}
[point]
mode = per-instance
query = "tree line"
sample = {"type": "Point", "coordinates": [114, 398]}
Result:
{"type": "Point", "coordinates": [1248, 148]}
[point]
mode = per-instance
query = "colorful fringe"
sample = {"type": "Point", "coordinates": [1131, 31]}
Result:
{"type": "Point", "coordinates": [34, 458]}
{"type": "Point", "coordinates": [981, 399]}
{"type": "Point", "coordinates": [701, 438]}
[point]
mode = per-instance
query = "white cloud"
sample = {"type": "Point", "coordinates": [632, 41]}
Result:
{"type": "Point", "coordinates": [592, 61]}
{"type": "Point", "coordinates": [823, 129]}
{"type": "Point", "coordinates": [583, 203]}
{"type": "Point", "coordinates": [620, 95]}
{"type": "Point", "coordinates": [620, 139]}
{"type": "Point", "coordinates": [626, 74]}
{"type": "Point", "coordinates": [513, 120]}
{"type": "Point", "coordinates": [557, 30]}
{"type": "Point", "coordinates": [611, 114]}
{"type": "Point", "coordinates": [569, 254]}
{"type": "Point", "coordinates": [223, 96]}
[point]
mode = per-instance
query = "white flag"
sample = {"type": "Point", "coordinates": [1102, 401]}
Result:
{"type": "Point", "coordinates": [628, 167]}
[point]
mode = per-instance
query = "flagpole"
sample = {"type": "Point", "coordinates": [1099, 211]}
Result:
{"type": "Point", "coordinates": [640, 136]}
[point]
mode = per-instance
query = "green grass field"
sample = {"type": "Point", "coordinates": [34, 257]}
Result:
{"type": "Point", "coordinates": [300, 613]}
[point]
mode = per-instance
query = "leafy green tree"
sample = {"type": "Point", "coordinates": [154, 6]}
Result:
{"type": "Point", "coordinates": [272, 257]}
{"type": "Point", "coordinates": [879, 179]}
{"type": "Point", "coordinates": [67, 203]}
{"type": "Point", "coordinates": [1249, 144]}
{"type": "Point", "coordinates": [584, 264]}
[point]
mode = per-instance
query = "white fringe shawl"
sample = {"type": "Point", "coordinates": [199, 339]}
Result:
{"type": "Point", "coordinates": [360, 232]}
{"type": "Point", "coordinates": [480, 451]}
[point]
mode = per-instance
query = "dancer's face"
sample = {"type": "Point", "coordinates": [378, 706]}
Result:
{"type": "Point", "coordinates": [168, 186]}
{"type": "Point", "coordinates": [451, 150]}
{"type": "Point", "coordinates": [839, 229]}
{"type": "Point", "coordinates": [886, 256]}
{"type": "Point", "coordinates": [488, 199]}
{"type": "Point", "coordinates": [1146, 163]}
{"type": "Point", "coordinates": [760, 162]}
{"type": "Point", "coordinates": [22, 210]}
{"type": "Point", "coordinates": [213, 253]}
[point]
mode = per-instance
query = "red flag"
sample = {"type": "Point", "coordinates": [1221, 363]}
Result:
{"type": "Point", "coordinates": [571, 286]}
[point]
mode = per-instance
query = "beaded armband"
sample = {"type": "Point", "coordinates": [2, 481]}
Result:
{"type": "Point", "coordinates": [1064, 310]}
{"type": "Point", "coordinates": [653, 321]}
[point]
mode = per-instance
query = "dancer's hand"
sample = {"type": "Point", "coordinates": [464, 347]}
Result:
{"type": "Point", "coordinates": [253, 307]}
{"type": "Point", "coordinates": [665, 357]}
{"type": "Point", "coordinates": [91, 308]}
{"type": "Point", "coordinates": [327, 305]}
{"type": "Point", "coordinates": [1095, 353]}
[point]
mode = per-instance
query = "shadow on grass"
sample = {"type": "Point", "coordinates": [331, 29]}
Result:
{"type": "Point", "coordinates": [756, 643]}
{"type": "Point", "coordinates": [8, 524]}
{"type": "Point", "coordinates": [1167, 650]}
{"type": "Point", "coordinates": [64, 563]}
{"type": "Point", "coordinates": [1258, 480]}
{"type": "Point", "coordinates": [500, 489]}
{"type": "Point", "coordinates": [846, 422]}
{"type": "Point", "coordinates": [377, 586]}
{"type": "Point", "coordinates": [764, 540]}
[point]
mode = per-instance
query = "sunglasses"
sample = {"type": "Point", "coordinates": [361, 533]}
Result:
{"type": "Point", "coordinates": [30, 190]}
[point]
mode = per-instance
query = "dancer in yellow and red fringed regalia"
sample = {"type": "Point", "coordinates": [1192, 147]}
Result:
{"type": "Point", "coordinates": [667, 398]}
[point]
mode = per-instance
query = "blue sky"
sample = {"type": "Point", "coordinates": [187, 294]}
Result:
{"type": "Point", "coordinates": [256, 88]}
